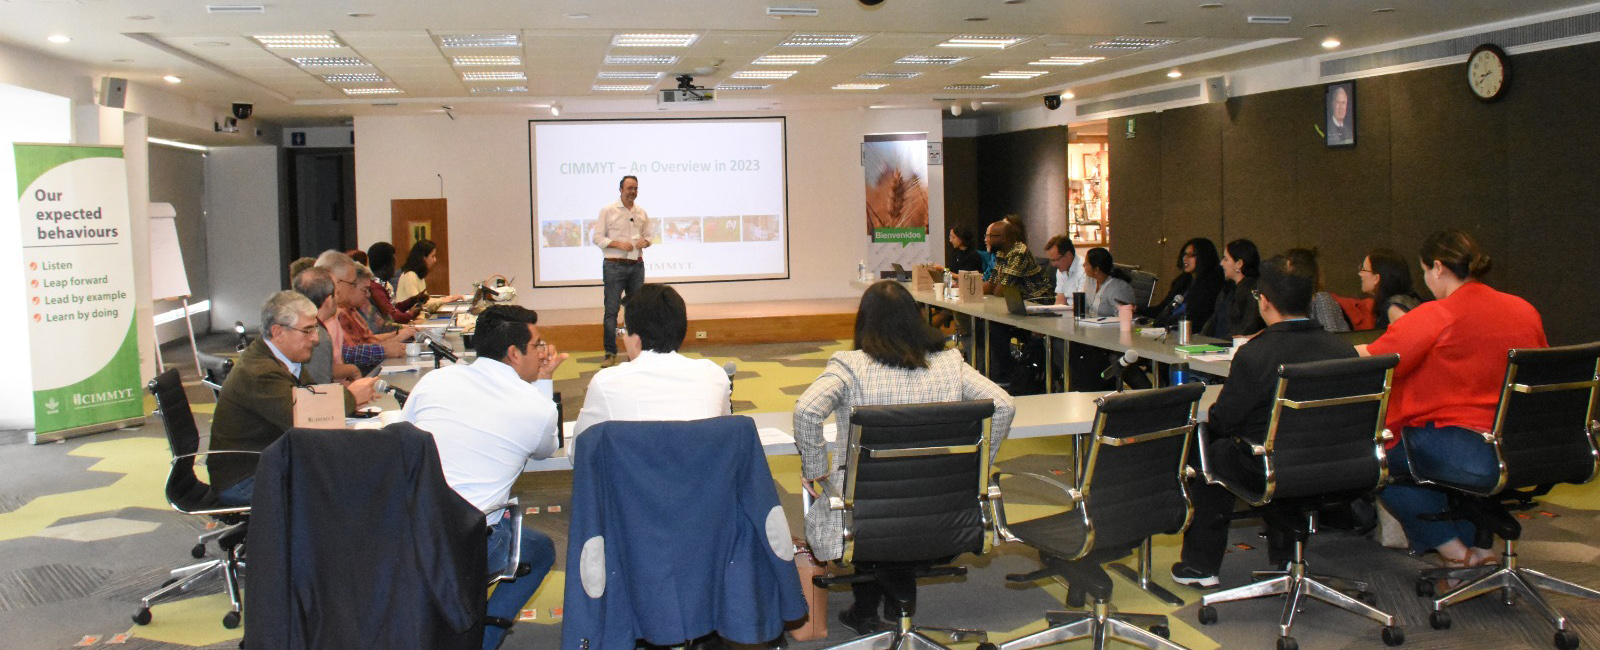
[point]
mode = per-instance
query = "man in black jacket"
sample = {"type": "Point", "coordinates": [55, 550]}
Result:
{"type": "Point", "coordinates": [1241, 414]}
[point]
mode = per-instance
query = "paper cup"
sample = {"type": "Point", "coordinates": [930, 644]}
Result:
{"type": "Point", "coordinates": [1125, 317]}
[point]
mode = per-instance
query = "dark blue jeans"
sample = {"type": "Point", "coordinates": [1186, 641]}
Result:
{"type": "Point", "coordinates": [238, 494]}
{"type": "Point", "coordinates": [618, 277]}
{"type": "Point", "coordinates": [538, 552]}
{"type": "Point", "coordinates": [1444, 454]}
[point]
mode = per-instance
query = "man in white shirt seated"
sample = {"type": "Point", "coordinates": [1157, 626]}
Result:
{"type": "Point", "coordinates": [487, 419]}
{"type": "Point", "coordinates": [1069, 274]}
{"type": "Point", "coordinates": [656, 383]}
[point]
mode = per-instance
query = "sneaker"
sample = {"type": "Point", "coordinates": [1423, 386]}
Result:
{"type": "Point", "coordinates": [1189, 576]}
{"type": "Point", "coordinates": [611, 360]}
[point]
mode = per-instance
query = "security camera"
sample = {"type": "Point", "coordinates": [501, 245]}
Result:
{"type": "Point", "coordinates": [1052, 102]}
{"type": "Point", "coordinates": [227, 125]}
{"type": "Point", "coordinates": [242, 110]}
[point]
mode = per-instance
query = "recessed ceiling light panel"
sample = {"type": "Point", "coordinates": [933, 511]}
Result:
{"type": "Point", "coordinates": [298, 41]}
{"type": "Point", "coordinates": [486, 59]}
{"type": "Point", "coordinates": [743, 86]}
{"type": "Point", "coordinates": [1269, 20]}
{"type": "Point", "coordinates": [328, 61]}
{"type": "Point", "coordinates": [236, 9]}
{"type": "Point", "coordinates": [371, 91]}
{"type": "Point", "coordinates": [995, 42]}
{"type": "Point", "coordinates": [630, 75]}
{"type": "Point", "coordinates": [1130, 43]}
{"type": "Point", "coordinates": [890, 75]}
{"type": "Point", "coordinates": [641, 59]}
{"type": "Point", "coordinates": [793, 12]}
{"type": "Point", "coordinates": [858, 86]}
{"type": "Point", "coordinates": [622, 88]}
{"type": "Point", "coordinates": [763, 74]}
{"type": "Point", "coordinates": [59, 38]}
{"type": "Point", "coordinates": [1016, 74]}
{"type": "Point", "coordinates": [353, 77]}
{"type": "Point", "coordinates": [653, 40]}
{"type": "Point", "coordinates": [498, 75]}
{"type": "Point", "coordinates": [499, 89]}
{"type": "Point", "coordinates": [971, 86]}
{"type": "Point", "coordinates": [1068, 60]}
{"type": "Point", "coordinates": [822, 40]}
{"type": "Point", "coordinates": [789, 59]}
{"type": "Point", "coordinates": [480, 40]}
{"type": "Point", "coordinates": [931, 59]}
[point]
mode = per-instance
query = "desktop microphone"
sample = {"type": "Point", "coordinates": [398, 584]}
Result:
{"type": "Point", "coordinates": [731, 368]}
{"type": "Point", "coordinates": [1122, 364]}
{"type": "Point", "coordinates": [400, 394]}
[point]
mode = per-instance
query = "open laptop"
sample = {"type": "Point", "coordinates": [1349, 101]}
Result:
{"type": "Point", "coordinates": [1016, 306]}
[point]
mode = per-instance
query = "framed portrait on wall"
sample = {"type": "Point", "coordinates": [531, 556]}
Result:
{"type": "Point", "coordinates": [1339, 122]}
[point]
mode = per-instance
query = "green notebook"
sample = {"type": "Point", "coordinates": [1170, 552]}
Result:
{"type": "Point", "coordinates": [1202, 348]}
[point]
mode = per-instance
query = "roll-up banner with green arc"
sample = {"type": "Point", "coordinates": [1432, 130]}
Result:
{"type": "Point", "coordinates": [77, 257]}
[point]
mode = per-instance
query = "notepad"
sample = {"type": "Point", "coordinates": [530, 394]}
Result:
{"type": "Point", "coordinates": [1202, 348]}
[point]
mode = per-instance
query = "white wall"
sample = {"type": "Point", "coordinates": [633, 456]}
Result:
{"type": "Point", "coordinates": [484, 164]}
{"type": "Point", "coordinates": [242, 246]}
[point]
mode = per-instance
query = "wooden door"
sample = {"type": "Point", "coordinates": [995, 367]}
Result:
{"type": "Point", "coordinates": [411, 219]}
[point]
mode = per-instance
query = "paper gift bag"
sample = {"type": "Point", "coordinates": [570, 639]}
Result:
{"type": "Point", "coordinates": [319, 407]}
{"type": "Point", "coordinates": [922, 277]}
{"type": "Point", "coordinates": [971, 286]}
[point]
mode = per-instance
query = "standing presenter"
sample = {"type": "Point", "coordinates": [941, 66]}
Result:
{"type": "Point", "coordinates": [622, 232]}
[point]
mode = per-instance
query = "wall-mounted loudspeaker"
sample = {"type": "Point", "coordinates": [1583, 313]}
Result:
{"type": "Point", "coordinates": [113, 92]}
{"type": "Point", "coordinates": [1217, 89]}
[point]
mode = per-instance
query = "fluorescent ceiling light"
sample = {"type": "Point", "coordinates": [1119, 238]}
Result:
{"type": "Point", "coordinates": [493, 76]}
{"type": "Point", "coordinates": [743, 86]}
{"type": "Point", "coordinates": [486, 59]}
{"type": "Point", "coordinates": [199, 307]}
{"type": "Point", "coordinates": [180, 145]}
{"type": "Point", "coordinates": [630, 75]}
{"type": "Point", "coordinates": [763, 74]}
{"type": "Point", "coordinates": [858, 86]}
{"type": "Point", "coordinates": [653, 40]}
{"type": "Point", "coordinates": [821, 40]}
{"type": "Point", "coordinates": [298, 41]}
{"type": "Point", "coordinates": [996, 42]}
{"type": "Point", "coordinates": [793, 12]}
{"type": "Point", "coordinates": [641, 59]}
{"type": "Point", "coordinates": [1016, 74]}
{"type": "Point", "coordinates": [353, 77]}
{"type": "Point", "coordinates": [1068, 60]}
{"type": "Point", "coordinates": [499, 89]}
{"type": "Point", "coordinates": [1174, 74]}
{"type": "Point", "coordinates": [370, 91]}
{"type": "Point", "coordinates": [1131, 43]}
{"type": "Point", "coordinates": [789, 59]}
{"type": "Point", "coordinates": [622, 88]}
{"type": "Point", "coordinates": [480, 40]}
{"type": "Point", "coordinates": [971, 86]}
{"type": "Point", "coordinates": [59, 38]}
{"type": "Point", "coordinates": [890, 75]}
{"type": "Point", "coordinates": [932, 59]}
{"type": "Point", "coordinates": [328, 61]}
{"type": "Point", "coordinates": [173, 79]}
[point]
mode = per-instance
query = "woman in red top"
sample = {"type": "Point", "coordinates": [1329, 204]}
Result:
{"type": "Point", "coordinates": [1447, 386]}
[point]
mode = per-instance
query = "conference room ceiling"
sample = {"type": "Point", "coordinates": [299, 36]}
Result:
{"type": "Point", "coordinates": [403, 57]}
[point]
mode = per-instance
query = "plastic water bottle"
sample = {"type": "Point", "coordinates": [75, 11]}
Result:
{"type": "Point", "coordinates": [861, 271]}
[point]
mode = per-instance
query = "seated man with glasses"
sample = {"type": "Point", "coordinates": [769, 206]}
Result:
{"type": "Point", "coordinates": [488, 419]}
{"type": "Point", "coordinates": [257, 401]}
{"type": "Point", "coordinates": [656, 383]}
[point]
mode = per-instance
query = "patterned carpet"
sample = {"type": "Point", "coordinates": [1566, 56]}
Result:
{"type": "Point", "coordinates": [85, 532]}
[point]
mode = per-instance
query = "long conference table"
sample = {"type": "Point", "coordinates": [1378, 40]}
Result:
{"type": "Point", "coordinates": [1050, 414]}
{"type": "Point", "coordinates": [990, 310]}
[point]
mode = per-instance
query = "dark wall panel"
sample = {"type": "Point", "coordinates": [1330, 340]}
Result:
{"type": "Point", "coordinates": [1025, 173]}
{"type": "Point", "coordinates": [1191, 181]}
{"type": "Point", "coordinates": [1343, 194]}
{"type": "Point", "coordinates": [961, 189]}
{"type": "Point", "coordinates": [1260, 165]}
{"type": "Point", "coordinates": [1136, 192]}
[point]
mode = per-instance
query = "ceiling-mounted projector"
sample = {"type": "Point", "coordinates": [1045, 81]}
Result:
{"type": "Point", "coordinates": [685, 92]}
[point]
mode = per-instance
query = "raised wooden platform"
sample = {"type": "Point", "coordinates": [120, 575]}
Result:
{"type": "Point", "coordinates": [721, 323]}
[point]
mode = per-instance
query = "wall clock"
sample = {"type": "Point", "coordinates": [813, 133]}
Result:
{"type": "Point", "coordinates": [1488, 72]}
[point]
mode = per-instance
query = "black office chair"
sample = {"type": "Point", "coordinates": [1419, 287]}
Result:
{"type": "Point", "coordinates": [190, 495]}
{"type": "Point", "coordinates": [1544, 434]}
{"type": "Point", "coordinates": [1144, 287]}
{"type": "Point", "coordinates": [914, 498]}
{"type": "Point", "coordinates": [214, 370]}
{"type": "Point", "coordinates": [1324, 445]}
{"type": "Point", "coordinates": [1130, 488]}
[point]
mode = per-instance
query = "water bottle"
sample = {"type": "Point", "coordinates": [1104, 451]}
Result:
{"type": "Point", "coordinates": [861, 271]}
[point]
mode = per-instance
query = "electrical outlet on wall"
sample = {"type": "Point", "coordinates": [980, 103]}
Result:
{"type": "Point", "coordinates": [699, 334]}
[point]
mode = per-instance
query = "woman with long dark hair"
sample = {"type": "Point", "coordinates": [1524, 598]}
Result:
{"type": "Point", "coordinates": [1324, 309]}
{"type": "Point", "coordinates": [1198, 282]}
{"type": "Point", "coordinates": [1235, 313]}
{"type": "Point", "coordinates": [412, 285]}
{"type": "Point", "coordinates": [898, 359]}
{"type": "Point", "coordinates": [1446, 388]}
{"type": "Point", "coordinates": [1387, 278]}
